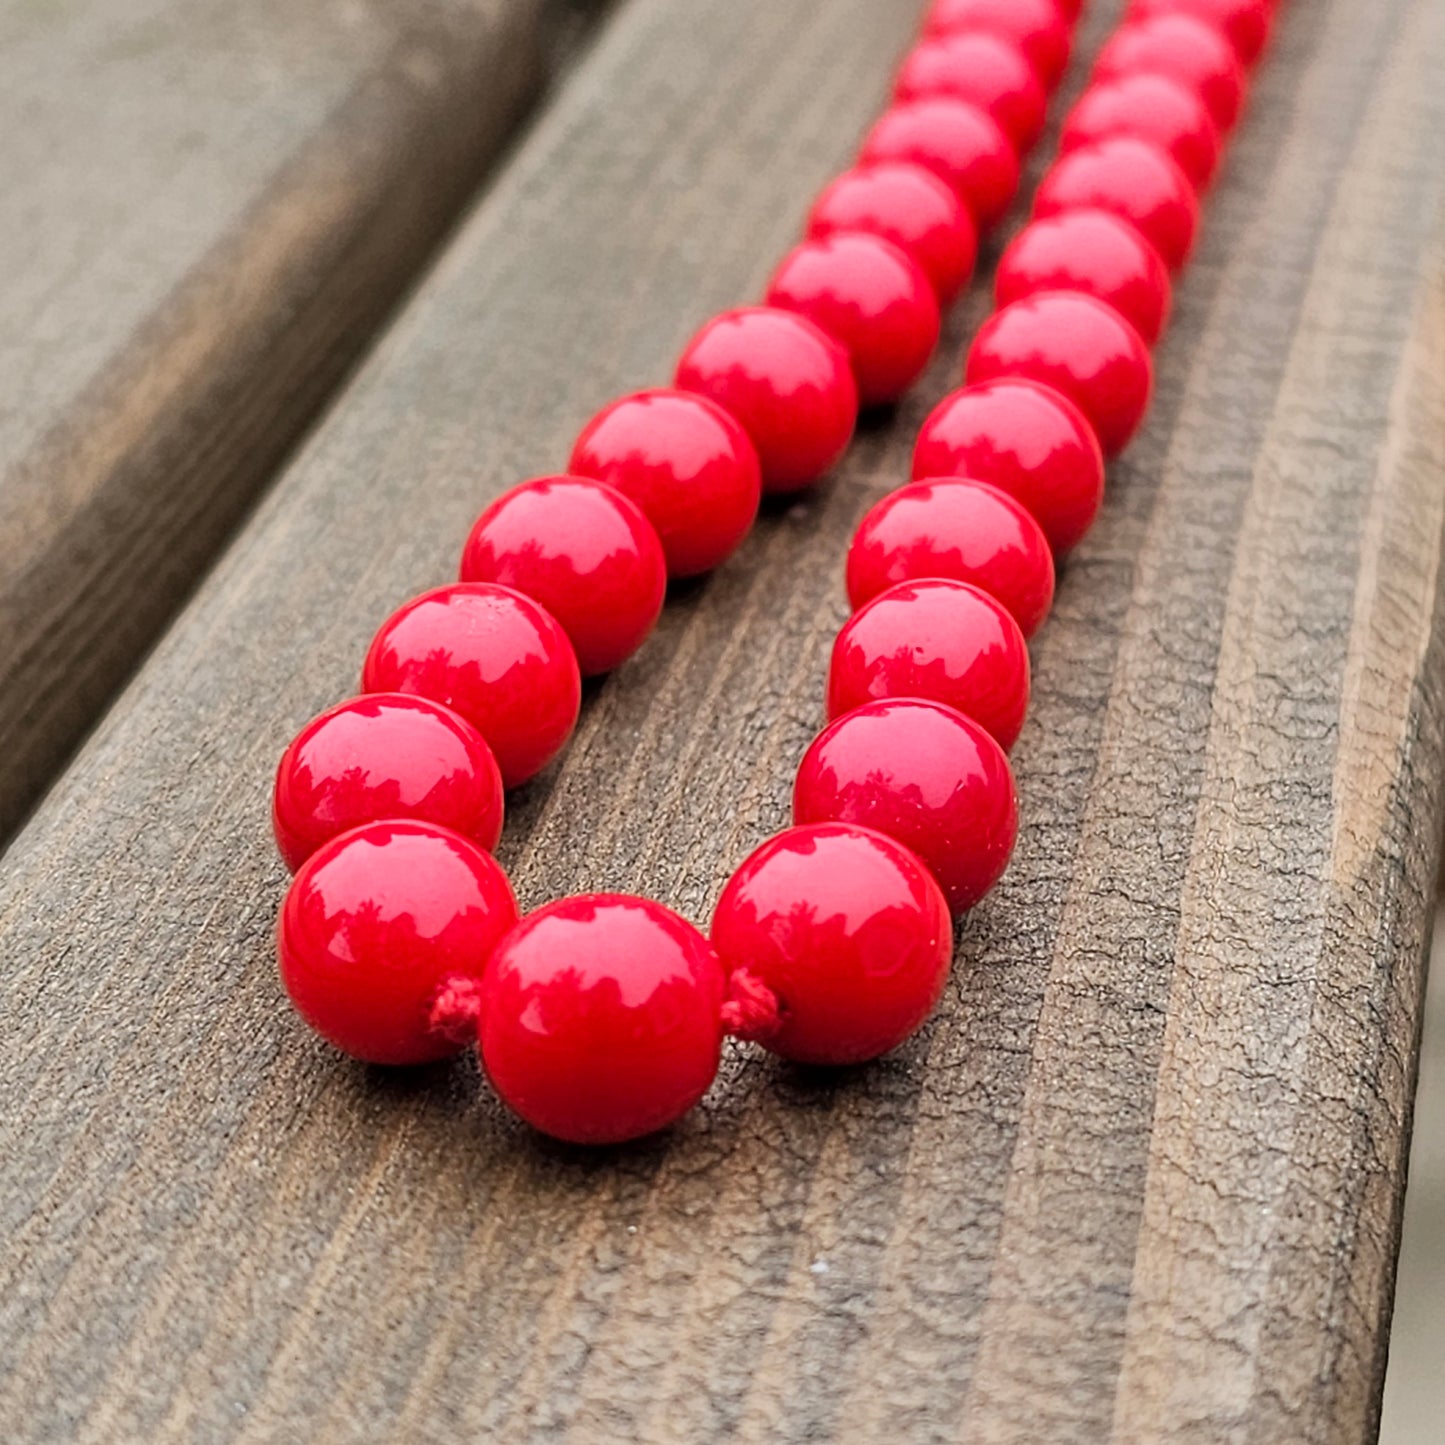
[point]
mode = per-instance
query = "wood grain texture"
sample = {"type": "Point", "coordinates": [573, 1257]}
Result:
{"type": "Point", "coordinates": [1140, 1179]}
{"type": "Point", "coordinates": [209, 206]}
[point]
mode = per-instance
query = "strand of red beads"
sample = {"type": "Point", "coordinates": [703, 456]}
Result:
{"type": "Point", "coordinates": [601, 1018]}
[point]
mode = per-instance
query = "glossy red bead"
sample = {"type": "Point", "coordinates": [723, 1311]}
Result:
{"type": "Point", "coordinates": [601, 1018]}
{"type": "Point", "coordinates": [848, 930]}
{"type": "Point", "coordinates": [1153, 108]}
{"type": "Point", "coordinates": [985, 70]}
{"type": "Point", "coordinates": [924, 775]}
{"type": "Point", "coordinates": [786, 381]}
{"type": "Point", "coordinates": [1082, 348]}
{"type": "Point", "coordinates": [384, 756]}
{"type": "Point", "coordinates": [912, 207]}
{"type": "Point", "coordinates": [582, 550]}
{"type": "Point", "coordinates": [961, 529]}
{"type": "Point", "coordinates": [1187, 50]}
{"type": "Point", "coordinates": [955, 140]}
{"type": "Point", "coordinates": [938, 639]}
{"type": "Point", "coordinates": [376, 922]}
{"type": "Point", "coordinates": [873, 299]}
{"type": "Point", "coordinates": [1134, 179]}
{"type": "Point", "coordinates": [686, 463]}
{"type": "Point", "coordinates": [1245, 24]}
{"type": "Point", "coordinates": [1040, 28]}
{"type": "Point", "coordinates": [493, 656]}
{"type": "Point", "coordinates": [1028, 441]}
{"type": "Point", "coordinates": [1093, 251]}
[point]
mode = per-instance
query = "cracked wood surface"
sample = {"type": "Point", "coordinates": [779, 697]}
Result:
{"type": "Point", "coordinates": [209, 206]}
{"type": "Point", "coordinates": [1140, 1179]}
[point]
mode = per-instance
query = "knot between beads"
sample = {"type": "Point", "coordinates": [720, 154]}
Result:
{"type": "Point", "coordinates": [457, 1009]}
{"type": "Point", "coordinates": [751, 1010]}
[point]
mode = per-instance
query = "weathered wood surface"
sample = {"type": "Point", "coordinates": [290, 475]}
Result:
{"type": "Point", "coordinates": [1139, 1181]}
{"type": "Point", "coordinates": [208, 206]}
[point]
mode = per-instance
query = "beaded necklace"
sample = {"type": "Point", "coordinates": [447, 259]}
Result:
{"type": "Point", "coordinates": [600, 1018]}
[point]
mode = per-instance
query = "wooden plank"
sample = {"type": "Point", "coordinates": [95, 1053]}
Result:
{"type": "Point", "coordinates": [208, 208]}
{"type": "Point", "coordinates": [1139, 1181]}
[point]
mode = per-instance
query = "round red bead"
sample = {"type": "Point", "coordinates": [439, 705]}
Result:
{"type": "Point", "coordinates": [938, 639]}
{"type": "Point", "coordinates": [384, 756]}
{"type": "Point", "coordinates": [1134, 179]}
{"type": "Point", "coordinates": [1078, 345]}
{"type": "Point", "coordinates": [961, 529]}
{"type": "Point", "coordinates": [376, 922]}
{"type": "Point", "coordinates": [985, 70]}
{"type": "Point", "coordinates": [1187, 50]}
{"type": "Point", "coordinates": [848, 930]}
{"type": "Point", "coordinates": [1096, 252]}
{"type": "Point", "coordinates": [686, 463]}
{"type": "Point", "coordinates": [1038, 27]}
{"type": "Point", "coordinates": [910, 206]}
{"type": "Point", "coordinates": [926, 776]}
{"type": "Point", "coordinates": [583, 551]}
{"type": "Point", "coordinates": [786, 381]}
{"type": "Point", "coordinates": [869, 296]}
{"type": "Point", "coordinates": [1025, 439]}
{"type": "Point", "coordinates": [955, 140]}
{"type": "Point", "coordinates": [493, 656]}
{"type": "Point", "coordinates": [1153, 108]}
{"type": "Point", "coordinates": [1244, 23]}
{"type": "Point", "coordinates": [601, 1018]}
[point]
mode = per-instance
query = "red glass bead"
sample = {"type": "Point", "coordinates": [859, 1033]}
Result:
{"type": "Point", "coordinates": [1038, 27]}
{"type": "Point", "coordinates": [848, 930]}
{"type": "Point", "coordinates": [1096, 252]}
{"type": "Point", "coordinates": [686, 463]}
{"type": "Point", "coordinates": [1244, 23]}
{"type": "Point", "coordinates": [985, 70]}
{"type": "Point", "coordinates": [377, 921]}
{"type": "Point", "coordinates": [1187, 50]}
{"type": "Point", "coordinates": [1025, 439]}
{"type": "Point", "coordinates": [955, 140]}
{"type": "Point", "coordinates": [583, 551]}
{"type": "Point", "coordinates": [1154, 108]}
{"type": "Point", "coordinates": [943, 640]}
{"type": "Point", "coordinates": [873, 299]}
{"type": "Point", "coordinates": [786, 381]}
{"type": "Point", "coordinates": [1134, 179]}
{"type": "Point", "coordinates": [601, 1018]}
{"type": "Point", "coordinates": [958, 528]}
{"type": "Point", "coordinates": [493, 656]}
{"type": "Point", "coordinates": [925, 776]}
{"type": "Point", "coordinates": [910, 206]}
{"type": "Point", "coordinates": [384, 756]}
{"type": "Point", "coordinates": [1078, 345]}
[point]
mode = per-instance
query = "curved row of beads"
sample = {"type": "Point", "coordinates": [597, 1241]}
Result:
{"type": "Point", "coordinates": [949, 574]}
{"type": "Point", "coordinates": [601, 1018]}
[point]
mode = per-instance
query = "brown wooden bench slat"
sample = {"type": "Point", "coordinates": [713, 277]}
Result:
{"type": "Point", "coordinates": [208, 208]}
{"type": "Point", "coordinates": [1139, 1180]}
